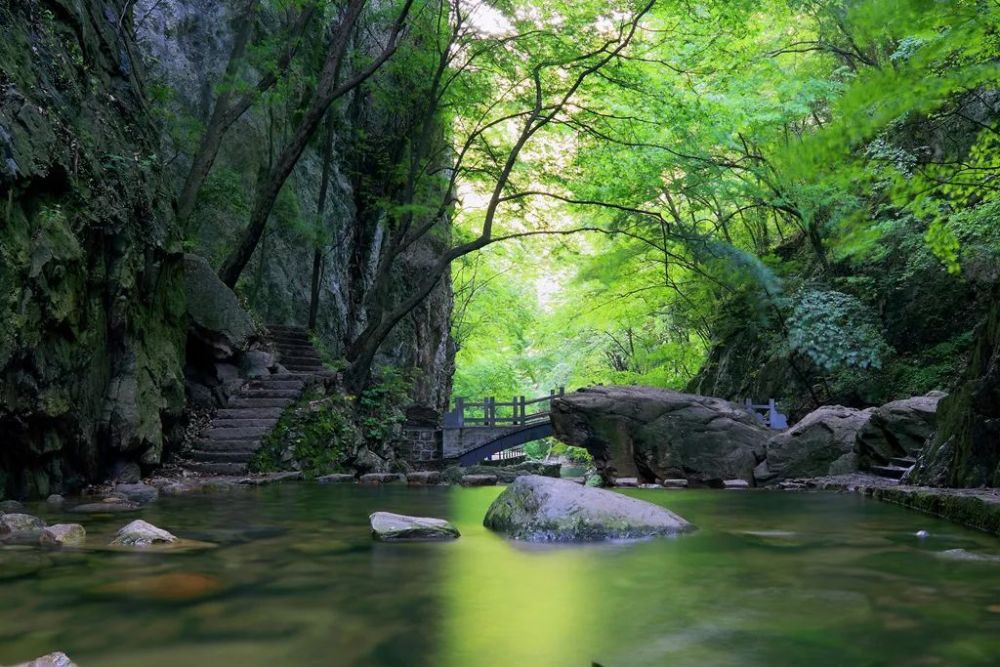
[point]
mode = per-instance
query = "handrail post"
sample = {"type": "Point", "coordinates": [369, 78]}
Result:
{"type": "Point", "coordinates": [523, 419]}
{"type": "Point", "coordinates": [460, 410]}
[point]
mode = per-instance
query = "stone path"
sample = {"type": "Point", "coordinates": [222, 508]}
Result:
{"type": "Point", "coordinates": [235, 433]}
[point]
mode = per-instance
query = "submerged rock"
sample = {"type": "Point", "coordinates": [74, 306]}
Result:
{"type": "Point", "coordinates": [68, 534]}
{"type": "Point", "coordinates": [55, 500]}
{"type": "Point", "coordinates": [337, 478]}
{"type": "Point", "coordinates": [20, 528]}
{"type": "Point", "coordinates": [389, 527]}
{"type": "Point", "coordinates": [106, 506]}
{"type": "Point", "coordinates": [425, 477]}
{"type": "Point", "coordinates": [381, 478]}
{"type": "Point", "coordinates": [141, 534]}
{"type": "Point", "coordinates": [478, 480]}
{"type": "Point", "coordinates": [543, 509]}
{"type": "Point", "coordinates": [57, 659]}
{"type": "Point", "coordinates": [10, 506]}
{"type": "Point", "coordinates": [138, 493]}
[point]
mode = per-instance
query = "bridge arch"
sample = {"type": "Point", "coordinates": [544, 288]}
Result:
{"type": "Point", "coordinates": [474, 431]}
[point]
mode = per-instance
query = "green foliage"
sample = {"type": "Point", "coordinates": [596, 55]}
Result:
{"type": "Point", "coordinates": [836, 331]}
{"type": "Point", "coordinates": [317, 435]}
{"type": "Point", "coordinates": [380, 406]}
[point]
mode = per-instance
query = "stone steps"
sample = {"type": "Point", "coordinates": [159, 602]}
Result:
{"type": "Point", "coordinates": [892, 472]}
{"type": "Point", "coordinates": [236, 424]}
{"type": "Point", "coordinates": [240, 402]}
{"type": "Point", "coordinates": [212, 456]}
{"type": "Point", "coordinates": [903, 462]}
{"type": "Point", "coordinates": [241, 414]}
{"type": "Point", "coordinates": [206, 468]}
{"type": "Point", "coordinates": [235, 433]}
{"type": "Point", "coordinates": [270, 393]}
{"type": "Point", "coordinates": [235, 445]}
{"type": "Point", "coordinates": [217, 433]}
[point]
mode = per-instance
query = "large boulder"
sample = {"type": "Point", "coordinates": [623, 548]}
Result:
{"type": "Point", "coordinates": [389, 527]}
{"type": "Point", "coordinates": [217, 319]}
{"type": "Point", "coordinates": [657, 434]}
{"type": "Point", "coordinates": [545, 509]}
{"type": "Point", "coordinates": [21, 528]}
{"type": "Point", "coordinates": [898, 429]}
{"type": "Point", "coordinates": [821, 444]}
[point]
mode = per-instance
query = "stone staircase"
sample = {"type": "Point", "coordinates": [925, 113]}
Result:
{"type": "Point", "coordinates": [897, 467]}
{"type": "Point", "coordinates": [235, 433]}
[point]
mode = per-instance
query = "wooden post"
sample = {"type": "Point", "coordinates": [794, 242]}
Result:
{"type": "Point", "coordinates": [491, 411]}
{"type": "Point", "coordinates": [523, 420]}
{"type": "Point", "coordinates": [460, 410]}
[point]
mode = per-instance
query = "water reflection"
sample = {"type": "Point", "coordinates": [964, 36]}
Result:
{"type": "Point", "coordinates": [768, 579]}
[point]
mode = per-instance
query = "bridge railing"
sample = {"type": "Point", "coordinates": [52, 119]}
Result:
{"type": "Point", "coordinates": [490, 412]}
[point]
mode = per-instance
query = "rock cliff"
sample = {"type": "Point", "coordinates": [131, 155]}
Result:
{"type": "Point", "coordinates": [92, 332]}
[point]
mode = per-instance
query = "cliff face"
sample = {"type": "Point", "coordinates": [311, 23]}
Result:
{"type": "Point", "coordinates": [186, 45]}
{"type": "Point", "coordinates": [92, 321]}
{"type": "Point", "coordinates": [965, 451]}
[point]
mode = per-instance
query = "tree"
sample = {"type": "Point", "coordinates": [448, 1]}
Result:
{"type": "Point", "coordinates": [331, 85]}
{"type": "Point", "coordinates": [531, 78]}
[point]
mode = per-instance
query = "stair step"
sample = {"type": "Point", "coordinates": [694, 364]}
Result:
{"type": "Point", "coordinates": [294, 345]}
{"type": "Point", "coordinates": [903, 462]}
{"type": "Point", "coordinates": [221, 457]}
{"type": "Point", "coordinates": [290, 337]}
{"type": "Point", "coordinates": [218, 468]}
{"type": "Point", "coordinates": [244, 433]}
{"type": "Point", "coordinates": [236, 424]}
{"type": "Point", "coordinates": [243, 445]}
{"type": "Point", "coordinates": [264, 383]}
{"type": "Point", "coordinates": [304, 368]}
{"type": "Point", "coordinates": [247, 414]}
{"type": "Point", "coordinates": [270, 393]}
{"type": "Point", "coordinates": [287, 362]}
{"type": "Point", "coordinates": [893, 472]}
{"type": "Point", "coordinates": [253, 402]}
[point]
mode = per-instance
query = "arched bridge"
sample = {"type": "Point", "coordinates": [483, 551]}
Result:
{"type": "Point", "coordinates": [476, 431]}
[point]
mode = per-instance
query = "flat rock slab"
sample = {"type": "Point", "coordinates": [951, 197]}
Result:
{"type": "Point", "coordinates": [543, 509]}
{"type": "Point", "coordinates": [389, 527]}
{"type": "Point", "coordinates": [381, 478]}
{"type": "Point", "coordinates": [105, 508]}
{"type": "Point", "coordinates": [735, 484]}
{"type": "Point", "coordinates": [424, 477]}
{"type": "Point", "coordinates": [478, 480]}
{"type": "Point", "coordinates": [338, 478]}
{"type": "Point", "coordinates": [675, 484]}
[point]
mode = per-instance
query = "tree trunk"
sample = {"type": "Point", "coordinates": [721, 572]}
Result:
{"type": "Point", "coordinates": [317, 267]}
{"type": "Point", "coordinates": [327, 91]}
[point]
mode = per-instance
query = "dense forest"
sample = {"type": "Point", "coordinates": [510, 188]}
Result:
{"type": "Point", "coordinates": [789, 199]}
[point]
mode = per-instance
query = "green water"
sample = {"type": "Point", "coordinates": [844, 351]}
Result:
{"type": "Point", "coordinates": [296, 580]}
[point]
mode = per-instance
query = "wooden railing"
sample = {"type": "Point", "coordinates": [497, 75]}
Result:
{"type": "Point", "coordinates": [490, 412]}
{"type": "Point", "coordinates": [767, 414]}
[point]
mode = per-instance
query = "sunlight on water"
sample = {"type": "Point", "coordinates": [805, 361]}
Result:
{"type": "Point", "coordinates": [768, 579]}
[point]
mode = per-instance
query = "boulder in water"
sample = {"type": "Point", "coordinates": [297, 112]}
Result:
{"type": "Point", "coordinates": [478, 480]}
{"type": "Point", "coordinates": [141, 534]}
{"type": "Point", "coordinates": [64, 534]}
{"type": "Point", "coordinates": [424, 477]}
{"type": "Point", "coordinates": [544, 509]}
{"type": "Point", "coordinates": [20, 528]}
{"type": "Point", "coordinates": [57, 659]}
{"type": "Point", "coordinates": [389, 527]}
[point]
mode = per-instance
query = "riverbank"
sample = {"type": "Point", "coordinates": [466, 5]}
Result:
{"type": "Point", "coordinates": [973, 508]}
